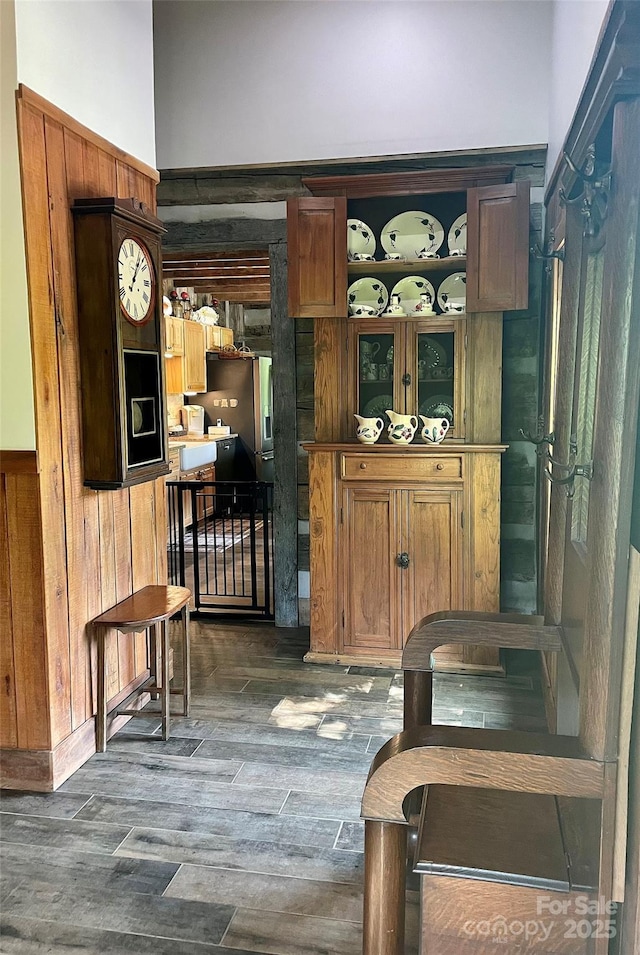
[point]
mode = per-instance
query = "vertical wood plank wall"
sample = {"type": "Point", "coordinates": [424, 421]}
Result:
{"type": "Point", "coordinates": [66, 552]}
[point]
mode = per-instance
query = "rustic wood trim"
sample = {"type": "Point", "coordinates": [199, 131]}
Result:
{"type": "Point", "coordinates": [222, 234]}
{"type": "Point", "coordinates": [39, 103]}
{"type": "Point", "coordinates": [19, 462]}
{"type": "Point", "coordinates": [528, 155]}
{"type": "Point", "coordinates": [45, 770]}
{"type": "Point", "coordinates": [491, 759]}
{"type": "Point", "coordinates": [447, 447]}
{"type": "Point", "coordinates": [408, 183]}
{"type": "Point", "coordinates": [613, 74]}
{"type": "Point", "coordinates": [285, 491]}
{"type": "Point", "coordinates": [630, 655]}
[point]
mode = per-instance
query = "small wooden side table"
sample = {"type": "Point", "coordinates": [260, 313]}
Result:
{"type": "Point", "coordinates": [147, 609]}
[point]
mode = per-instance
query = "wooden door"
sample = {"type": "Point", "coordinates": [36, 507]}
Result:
{"type": "Point", "coordinates": [498, 247]}
{"type": "Point", "coordinates": [195, 362]}
{"type": "Point", "coordinates": [317, 253]}
{"type": "Point", "coordinates": [175, 336]}
{"type": "Point", "coordinates": [432, 538]}
{"type": "Point", "coordinates": [603, 425]}
{"type": "Point", "coordinates": [371, 577]}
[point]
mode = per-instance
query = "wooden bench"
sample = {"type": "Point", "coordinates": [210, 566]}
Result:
{"type": "Point", "coordinates": [148, 609]}
{"type": "Point", "coordinates": [473, 783]}
{"type": "Point", "coordinates": [506, 872]}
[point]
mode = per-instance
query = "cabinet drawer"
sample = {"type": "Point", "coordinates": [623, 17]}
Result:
{"type": "Point", "coordinates": [381, 467]}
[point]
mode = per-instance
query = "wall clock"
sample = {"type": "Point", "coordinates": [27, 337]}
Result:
{"type": "Point", "coordinates": [121, 330]}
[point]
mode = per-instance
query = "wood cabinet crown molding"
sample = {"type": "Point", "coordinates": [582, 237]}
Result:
{"type": "Point", "coordinates": [408, 183]}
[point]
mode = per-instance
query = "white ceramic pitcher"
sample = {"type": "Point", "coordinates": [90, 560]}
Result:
{"type": "Point", "coordinates": [369, 429]}
{"type": "Point", "coordinates": [402, 427]}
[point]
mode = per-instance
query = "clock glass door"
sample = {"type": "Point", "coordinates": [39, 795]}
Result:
{"type": "Point", "coordinates": [142, 399]}
{"type": "Point", "coordinates": [136, 281]}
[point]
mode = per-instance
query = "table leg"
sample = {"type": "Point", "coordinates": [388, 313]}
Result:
{"type": "Point", "coordinates": [186, 662]}
{"type": "Point", "coordinates": [165, 693]}
{"type": "Point", "coordinates": [385, 851]}
{"type": "Point", "coordinates": [101, 715]}
{"type": "Point", "coordinates": [154, 658]}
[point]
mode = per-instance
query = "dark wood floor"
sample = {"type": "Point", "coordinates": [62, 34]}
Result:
{"type": "Point", "coordinates": [239, 834]}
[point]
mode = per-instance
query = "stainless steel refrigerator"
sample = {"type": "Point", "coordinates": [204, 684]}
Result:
{"type": "Point", "coordinates": [240, 394]}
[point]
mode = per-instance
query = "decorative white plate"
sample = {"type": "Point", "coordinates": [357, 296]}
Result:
{"type": "Point", "coordinates": [360, 238]}
{"type": "Point", "coordinates": [452, 294]}
{"type": "Point", "coordinates": [376, 407]}
{"type": "Point", "coordinates": [437, 406]}
{"type": "Point", "coordinates": [369, 292]}
{"type": "Point", "coordinates": [414, 235]}
{"type": "Point", "coordinates": [409, 290]}
{"type": "Point", "coordinates": [457, 238]}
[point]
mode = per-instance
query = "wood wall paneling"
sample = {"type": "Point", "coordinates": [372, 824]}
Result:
{"type": "Point", "coordinates": [8, 723]}
{"type": "Point", "coordinates": [71, 552]}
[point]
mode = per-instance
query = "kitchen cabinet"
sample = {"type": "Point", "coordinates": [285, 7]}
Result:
{"type": "Point", "coordinates": [317, 236]}
{"type": "Point", "coordinates": [413, 367]}
{"type": "Point", "coordinates": [194, 359]}
{"type": "Point", "coordinates": [174, 330]}
{"type": "Point", "coordinates": [204, 497]}
{"type": "Point", "coordinates": [497, 259]}
{"type": "Point", "coordinates": [409, 544]}
{"type": "Point", "coordinates": [217, 336]}
{"type": "Point", "coordinates": [396, 534]}
{"type": "Point", "coordinates": [400, 532]}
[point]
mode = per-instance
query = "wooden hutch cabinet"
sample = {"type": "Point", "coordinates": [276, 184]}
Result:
{"type": "Point", "coordinates": [400, 532]}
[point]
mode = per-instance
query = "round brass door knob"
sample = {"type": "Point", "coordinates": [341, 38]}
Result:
{"type": "Point", "coordinates": [440, 466]}
{"type": "Point", "coordinates": [363, 466]}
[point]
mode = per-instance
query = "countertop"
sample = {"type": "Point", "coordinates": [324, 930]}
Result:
{"type": "Point", "coordinates": [183, 442]}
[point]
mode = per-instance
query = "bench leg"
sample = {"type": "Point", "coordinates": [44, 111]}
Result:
{"type": "Point", "coordinates": [165, 691]}
{"type": "Point", "coordinates": [418, 690]}
{"type": "Point", "coordinates": [101, 715]}
{"type": "Point", "coordinates": [186, 662]}
{"type": "Point", "coordinates": [385, 851]}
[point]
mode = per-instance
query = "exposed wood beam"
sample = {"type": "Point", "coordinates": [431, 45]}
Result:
{"type": "Point", "coordinates": [221, 234]}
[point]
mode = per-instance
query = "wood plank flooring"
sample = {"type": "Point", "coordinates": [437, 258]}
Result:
{"type": "Point", "coordinates": [241, 833]}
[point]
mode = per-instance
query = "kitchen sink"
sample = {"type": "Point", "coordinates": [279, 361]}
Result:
{"type": "Point", "coordinates": [196, 454]}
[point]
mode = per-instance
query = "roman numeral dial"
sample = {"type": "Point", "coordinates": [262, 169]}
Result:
{"type": "Point", "coordinates": [136, 281]}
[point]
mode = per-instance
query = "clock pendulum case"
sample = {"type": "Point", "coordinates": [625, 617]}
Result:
{"type": "Point", "coordinates": [121, 330]}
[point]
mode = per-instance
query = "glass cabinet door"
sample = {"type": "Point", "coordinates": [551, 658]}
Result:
{"type": "Point", "coordinates": [434, 358]}
{"type": "Point", "coordinates": [378, 356]}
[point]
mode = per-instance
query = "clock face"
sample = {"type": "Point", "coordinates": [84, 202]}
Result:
{"type": "Point", "coordinates": [136, 281]}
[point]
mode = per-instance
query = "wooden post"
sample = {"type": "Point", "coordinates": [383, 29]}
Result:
{"type": "Point", "coordinates": [101, 716]}
{"type": "Point", "coordinates": [285, 519]}
{"type": "Point", "coordinates": [418, 688]}
{"type": "Point", "coordinates": [385, 852]}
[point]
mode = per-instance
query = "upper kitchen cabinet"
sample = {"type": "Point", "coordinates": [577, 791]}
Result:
{"type": "Point", "coordinates": [498, 248]}
{"type": "Point", "coordinates": [488, 214]}
{"type": "Point", "coordinates": [317, 250]}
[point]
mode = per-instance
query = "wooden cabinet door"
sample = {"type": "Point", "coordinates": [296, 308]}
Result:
{"type": "Point", "coordinates": [498, 247]}
{"type": "Point", "coordinates": [371, 577]}
{"type": "Point", "coordinates": [432, 538]}
{"type": "Point", "coordinates": [317, 253]}
{"type": "Point", "coordinates": [175, 336]}
{"type": "Point", "coordinates": [195, 362]}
